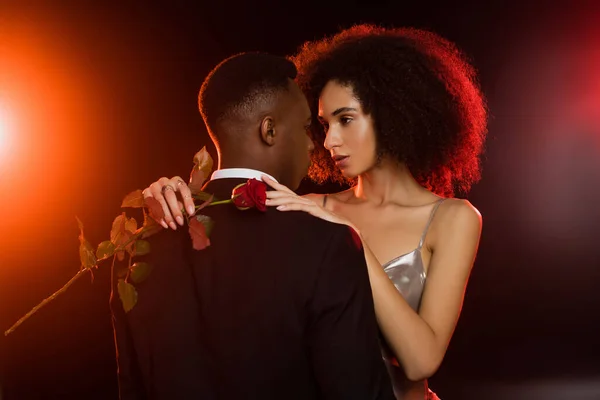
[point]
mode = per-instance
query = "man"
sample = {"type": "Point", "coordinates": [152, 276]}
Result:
{"type": "Point", "coordinates": [279, 305]}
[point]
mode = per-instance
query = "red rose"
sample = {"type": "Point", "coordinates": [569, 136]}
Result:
{"type": "Point", "coordinates": [250, 194]}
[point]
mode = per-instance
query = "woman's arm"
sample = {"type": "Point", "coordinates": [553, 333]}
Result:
{"type": "Point", "coordinates": [420, 340]}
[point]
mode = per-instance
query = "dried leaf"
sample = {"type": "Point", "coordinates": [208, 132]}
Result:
{"type": "Point", "coordinates": [86, 254]}
{"type": "Point", "coordinates": [140, 271]}
{"type": "Point", "coordinates": [134, 199]}
{"type": "Point", "coordinates": [80, 225]}
{"type": "Point", "coordinates": [119, 234]}
{"type": "Point", "coordinates": [105, 249]}
{"type": "Point", "coordinates": [197, 179]}
{"type": "Point", "coordinates": [131, 225]}
{"type": "Point", "coordinates": [127, 294]}
{"type": "Point", "coordinates": [130, 229]}
{"type": "Point", "coordinates": [207, 222]}
{"type": "Point", "coordinates": [86, 251]}
{"type": "Point", "coordinates": [150, 227]}
{"type": "Point", "coordinates": [198, 234]}
{"type": "Point", "coordinates": [203, 160]}
{"type": "Point", "coordinates": [203, 164]}
{"type": "Point", "coordinates": [118, 227]}
{"type": "Point", "coordinates": [154, 208]}
{"type": "Point", "coordinates": [142, 247]}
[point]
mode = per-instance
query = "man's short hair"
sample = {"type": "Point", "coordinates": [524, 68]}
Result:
{"type": "Point", "coordinates": [238, 85]}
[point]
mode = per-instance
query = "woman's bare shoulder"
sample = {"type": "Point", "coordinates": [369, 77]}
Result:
{"type": "Point", "coordinates": [458, 215]}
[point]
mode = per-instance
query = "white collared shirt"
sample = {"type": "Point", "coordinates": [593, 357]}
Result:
{"type": "Point", "coordinates": [244, 173]}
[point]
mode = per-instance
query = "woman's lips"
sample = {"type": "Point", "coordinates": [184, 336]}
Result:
{"type": "Point", "coordinates": [341, 161]}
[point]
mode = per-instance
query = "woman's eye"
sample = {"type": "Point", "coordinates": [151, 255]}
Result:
{"type": "Point", "coordinates": [345, 120]}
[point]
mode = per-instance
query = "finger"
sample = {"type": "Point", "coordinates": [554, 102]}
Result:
{"type": "Point", "coordinates": [157, 191]}
{"type": "Point", "coordinates": [276, 185]}
{"type": "Point", "coordinates": [309, 208]}
{"type": "Point", "coordinates": [154, 191]}
{"type": "Point", "coordinates": [174, 203]}
{"type": "Point", "coordinates": [186, 195]}
{"type": "Point", "coordinates": [171, 198]}
{"type": "Point", "coordinates": [288, 200]}
{"type": "Point", "coordinates": [147, 193]}
{"type": "Point", "coordinates": [156, 187]}
{"type": "Point", "coordinates": [274, 194]}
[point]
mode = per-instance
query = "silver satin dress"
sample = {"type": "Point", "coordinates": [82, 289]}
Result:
{"type": "Point", "coordinates": [408, 275]}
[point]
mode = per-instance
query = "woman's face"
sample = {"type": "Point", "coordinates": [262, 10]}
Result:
{"type": "Point", "coordinates": [350, 136]}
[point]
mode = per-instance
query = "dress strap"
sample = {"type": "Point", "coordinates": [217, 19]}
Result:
{"type": "Point", "coordinates": [325, 200]}
{"type": "Point", "coordinates": [422, 241]}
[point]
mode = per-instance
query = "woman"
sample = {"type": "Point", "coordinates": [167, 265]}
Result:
{"type": "Point", "coordinates": [398, 114]}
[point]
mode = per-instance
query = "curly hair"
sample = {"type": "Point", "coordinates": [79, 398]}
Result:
{"type": "Point", "coordinates": [421, 92]}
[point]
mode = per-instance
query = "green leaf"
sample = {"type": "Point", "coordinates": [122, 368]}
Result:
{"type": "Point", "coordinates": [134, 199]}
{"type": "Point", "coordinates": [142, 247]}
{"type": "Point", "coordinates": [207, 222]}
{"type": "Point", "coordinates": [86, 251]}
{"type": "Point", "coordinates": [105, 249]}
{"type": "Point", "coordinates": [127, 294]}
{"type": "Point", "coordinates": [140, 271]}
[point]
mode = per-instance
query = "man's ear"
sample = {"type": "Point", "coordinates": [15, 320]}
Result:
{"type": "Point", "coordinates": [267, 131]}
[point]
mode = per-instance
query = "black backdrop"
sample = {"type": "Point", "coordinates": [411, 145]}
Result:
{"type": "Point", "coordinates": [106, 97]}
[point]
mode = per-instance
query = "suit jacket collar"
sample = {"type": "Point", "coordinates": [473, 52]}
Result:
{"type": "Point", "coordinates": [223, 181]}
{"type": "Point", "coordinates": [221, 188]}
{"type": "Point", "coordinates": [247, 173]}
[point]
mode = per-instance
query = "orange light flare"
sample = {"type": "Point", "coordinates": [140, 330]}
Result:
{"type": "Point", "coordinates": [45, 126]}
{"type": "Point", "coordinates": [4, 133]}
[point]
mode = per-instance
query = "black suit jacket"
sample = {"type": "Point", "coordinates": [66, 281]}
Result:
{"type": "Point", "coordinates": [279, 306]}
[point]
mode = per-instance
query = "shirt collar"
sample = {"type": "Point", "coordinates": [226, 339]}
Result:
{"type": "Point", "coordinates": [245, 173]}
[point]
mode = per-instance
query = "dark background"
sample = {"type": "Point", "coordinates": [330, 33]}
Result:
{"type": "Point", "coordinates": [100, 99]}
